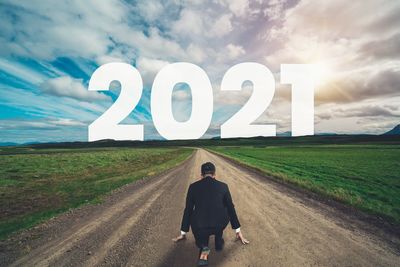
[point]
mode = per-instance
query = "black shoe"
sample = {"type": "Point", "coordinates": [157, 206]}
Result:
{"type": "Point", "coordinates": [219, 244]}
{"type": "Point", "coordinates": [202, 262]}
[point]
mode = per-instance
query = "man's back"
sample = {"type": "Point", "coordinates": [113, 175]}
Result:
{"type": "Point", "coordinates": [209, 204]}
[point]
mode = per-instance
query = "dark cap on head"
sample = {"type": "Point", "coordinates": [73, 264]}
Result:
{"type": "Point", "coordinates": [207, 168]}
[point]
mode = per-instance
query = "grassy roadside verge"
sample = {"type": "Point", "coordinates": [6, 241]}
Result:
{"type": "Point", "coordinates": [37, 185]}
{"type": "Point", "coordinates": [364, 176]}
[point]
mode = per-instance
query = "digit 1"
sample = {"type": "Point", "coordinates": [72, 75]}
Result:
{"type": "Point", "coordinates": [300, 77]}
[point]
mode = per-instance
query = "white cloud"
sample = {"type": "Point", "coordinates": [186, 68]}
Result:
{"type": "Point", "coordinates": [65, 86]}
{"type": "Point", "coordinates": [151, 10]}
{"type": "Point", "coordinates": [180, 95]}
{"type": "Point", "coordinates": [92, 30]}
{"type": "Point", "coordinates": [21, 72]}
{"type": "Point", "coordinates": [222, 26]}
{"type": "Point", "coordinates": [72, 28]}
{"type": "Point", "coordinates": [149, 67]}
{"type": "Point", "coordinates": [349, 44]}
{"type": "Point", "coordinates": [43, 124]}
{"type": "Point", "coordinates": [67, 122]}
{"type": "Point", "coordinates": [359, 43]}
{"type": "Point", "coordinates": [275, 9]}
{"type": "Point", "coordinates": [195, 53]}
{"type": "Point", "coordinates": [152, 44]}
{"type": "Point", "coordinates": [356, 19]}
{"type": "Point", "coordinates": [201, 25]}
{"type": "Point", "coordinates": [234, 51]}
{"type": "Point", "coordinates": [230, 53]}
{"type": "Point", "coordinates": [238, 7]}
{"type": "Point", "coordinates": [189, 23]}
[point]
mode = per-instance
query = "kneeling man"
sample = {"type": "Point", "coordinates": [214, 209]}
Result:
{"type": "Point", "coordinates": [209, 209]}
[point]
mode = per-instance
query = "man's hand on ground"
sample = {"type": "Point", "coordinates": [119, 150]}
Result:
{"type": "Point", "coordinates": [179, 238]}
{"type": "Point", "coordinates": [240, 237]}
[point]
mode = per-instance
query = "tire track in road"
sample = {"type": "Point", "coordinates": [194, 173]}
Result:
{"type": "Point", "coordinates": [48, 253]}
{"type": "Point", "coordinates": [296, 234]}
{"type": "Point", "coordinates": [121, 231]}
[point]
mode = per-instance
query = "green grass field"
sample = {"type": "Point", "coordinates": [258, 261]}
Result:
{"type": "Point", "coordinates": [366, 176]}
{"type": "Point", "coordinates": [40, 181]}
{"type": "Point", "coordinates": [36, 184]}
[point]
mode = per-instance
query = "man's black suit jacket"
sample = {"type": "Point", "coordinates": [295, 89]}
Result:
{"type": "Point", "coordinates": [209, 204]}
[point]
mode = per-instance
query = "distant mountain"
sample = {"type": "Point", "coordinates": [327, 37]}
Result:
{"type": "Point", "coordinates": [289, 133]}
{"type": "Point", "coordinates": [285, 134]}
{"type": "Point", "coordinates": [8, 144]}
{"type": "Point", "coordinates": [330, 134]}
{"type": "Point", "coordinates": [394, 131]}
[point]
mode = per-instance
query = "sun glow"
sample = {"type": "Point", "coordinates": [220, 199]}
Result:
{"type": "Point", "coordinates": [321, 73]}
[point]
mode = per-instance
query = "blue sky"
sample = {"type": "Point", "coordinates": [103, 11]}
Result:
{"type": "Point", "coordinates": [49, 51]}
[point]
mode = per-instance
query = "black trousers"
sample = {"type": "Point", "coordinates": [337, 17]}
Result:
{"type": "Point", "coordinates": [202, 235]}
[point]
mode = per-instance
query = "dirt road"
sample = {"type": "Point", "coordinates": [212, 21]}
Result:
{"type": "Point", "coordinates": [134, 227]}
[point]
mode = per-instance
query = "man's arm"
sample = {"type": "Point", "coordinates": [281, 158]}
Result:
{"type": "Point", "coordinates": [231, 210]}
{"type": "Point", "coordinates": [233, 217]}
{"type": "Point", "coordinates": [187, 212]}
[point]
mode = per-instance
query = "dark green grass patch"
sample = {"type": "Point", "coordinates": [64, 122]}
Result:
{"type": "Point", "coordinates": [37, 185]}
{"type": "Point", "coordinates": [366, 176]}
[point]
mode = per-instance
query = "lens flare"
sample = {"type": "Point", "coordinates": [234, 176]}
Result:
{"type": "Point", "coordinates": [321, 73]}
